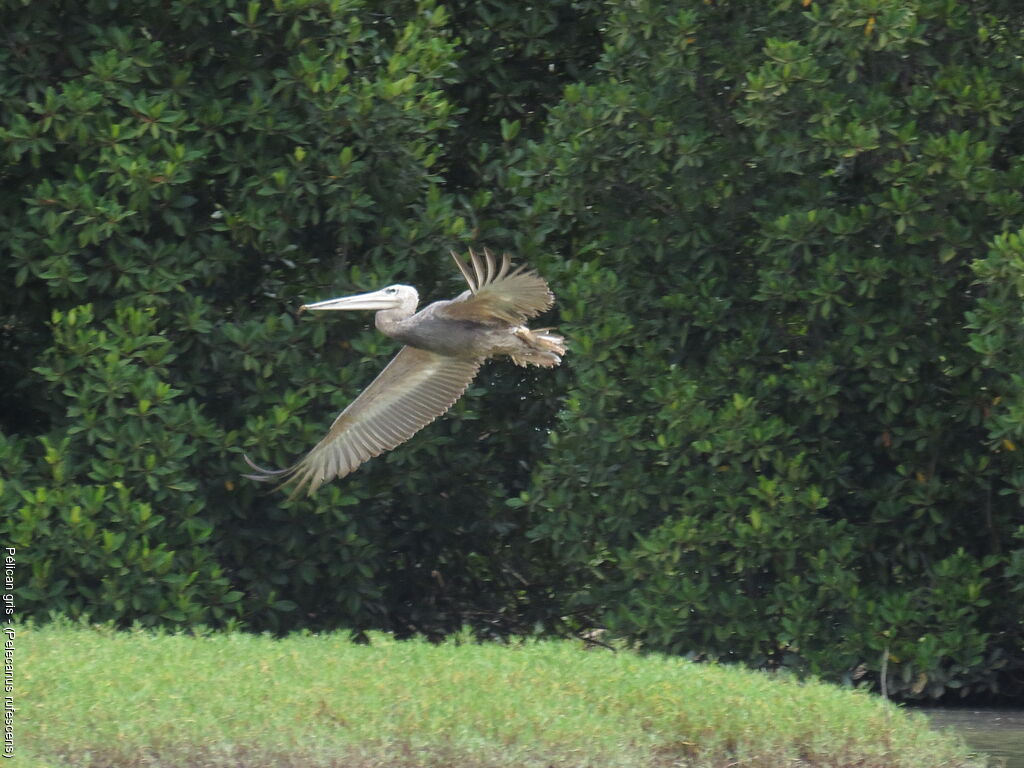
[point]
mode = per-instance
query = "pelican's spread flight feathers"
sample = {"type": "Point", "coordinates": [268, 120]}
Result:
{"type": "Point", "coordinates": [446, 343]}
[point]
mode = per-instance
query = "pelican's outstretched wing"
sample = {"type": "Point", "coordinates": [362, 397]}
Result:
{"type": "Point", "coordinates": [495, 293]}
{"type": "Point", "coordinates": [413, 390]}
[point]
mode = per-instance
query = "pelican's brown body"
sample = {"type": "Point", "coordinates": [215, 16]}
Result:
{"type": "Point", "coordinates": [445, 345]}
{"type": "Point", "coordinates": [431, 329]}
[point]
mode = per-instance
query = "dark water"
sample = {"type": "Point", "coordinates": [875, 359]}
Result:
{"type": "Point", "coordinates": [998, 733]}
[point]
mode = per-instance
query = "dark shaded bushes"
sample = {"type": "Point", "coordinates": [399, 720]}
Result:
{"type": "Point", "coordinates": [794, 299]}
{"type": "Point", "coordinates": [786, 245]}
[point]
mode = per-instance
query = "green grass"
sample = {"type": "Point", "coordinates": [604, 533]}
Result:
{"type": "Point", "coordinates": [94, 697]}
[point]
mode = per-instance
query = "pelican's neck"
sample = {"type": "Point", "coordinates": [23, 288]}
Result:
{"type": "Point", "coordinates": [389, 321]}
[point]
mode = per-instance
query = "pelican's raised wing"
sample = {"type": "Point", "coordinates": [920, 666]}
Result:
{"type": "Point", "coordinates": [495, 293]}
{"type": "Point", "coordinates": [413, 390]}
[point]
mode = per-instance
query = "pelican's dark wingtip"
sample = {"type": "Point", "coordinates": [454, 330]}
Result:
{"type": "Point", "coordinates": [273, 475]}
{"type": "Point", "coordinates": [465, 271]}
{"type": "Point", "coordinates": [481, 271]}
{"type": "Point", "coordinates": [265, 475]}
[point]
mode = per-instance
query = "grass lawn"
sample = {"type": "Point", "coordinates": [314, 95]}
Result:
{"type": "Point", "coordinates": [94, 697]}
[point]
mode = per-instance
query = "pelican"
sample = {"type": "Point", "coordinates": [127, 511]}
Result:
{"type": "Point", "coordinates": [445, 345]}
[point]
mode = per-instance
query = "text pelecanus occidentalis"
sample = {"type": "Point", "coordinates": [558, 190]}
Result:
{"type": "Point", "coordinates": [445, 345]}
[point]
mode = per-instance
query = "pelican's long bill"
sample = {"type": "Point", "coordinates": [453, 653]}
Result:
{"type": "Point", "coordinates": [385, 298]}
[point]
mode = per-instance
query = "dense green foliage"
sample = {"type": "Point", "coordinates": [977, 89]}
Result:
{"type": "Point", "coordinates": [786, 242]}
{"type": "Point", "coordinates": [177, 181]}
{"type": "Point", "coordinates": [794, 427]}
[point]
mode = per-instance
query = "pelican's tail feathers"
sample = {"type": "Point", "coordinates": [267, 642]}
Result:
{"type": "Point", "coordinates": [540, 347]}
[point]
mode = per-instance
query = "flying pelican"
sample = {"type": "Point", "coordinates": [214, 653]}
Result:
{"type": "Point", "coordinates": [445, 345]}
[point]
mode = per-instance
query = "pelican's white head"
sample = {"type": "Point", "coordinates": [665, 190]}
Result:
{"type": "Point", "coordinates": [393, 297]}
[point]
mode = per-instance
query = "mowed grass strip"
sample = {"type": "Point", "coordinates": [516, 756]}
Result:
{"type": "Point", "coordinates": [98, 698]}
